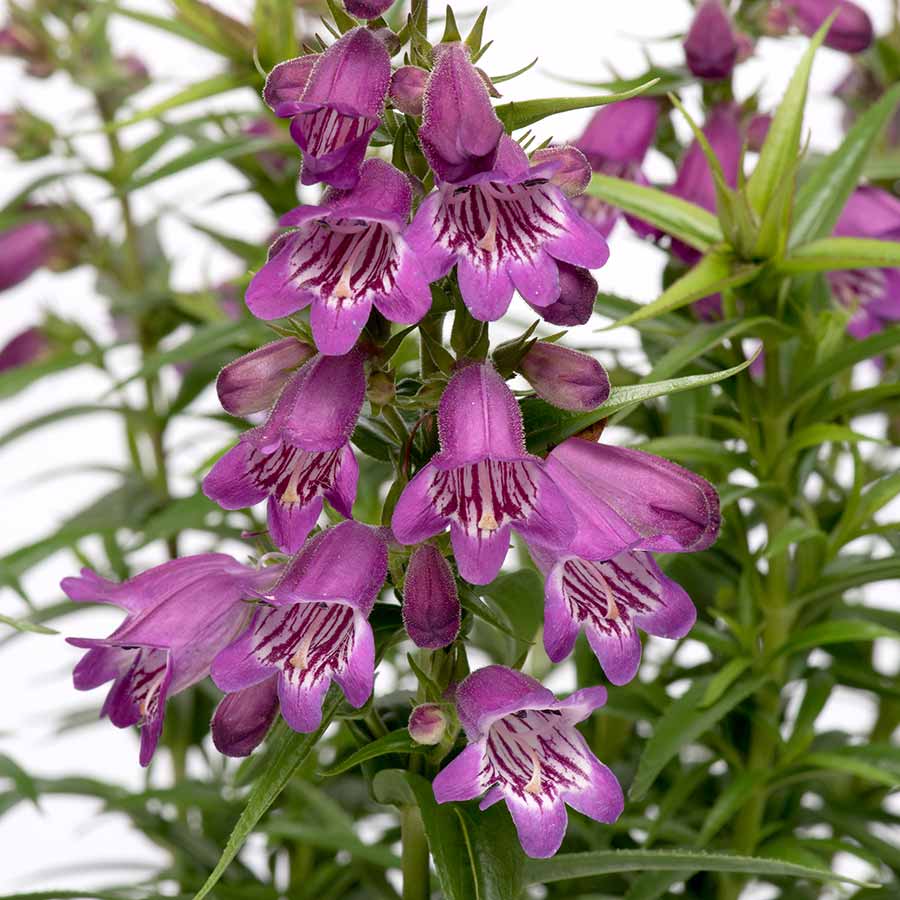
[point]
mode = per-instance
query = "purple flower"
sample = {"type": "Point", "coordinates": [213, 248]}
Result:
{"type": "Point", "coordinates": [408, 89]}
{"type": "Point", "coordinates": [615, 143]}
{"type": "Point", "coordinates": [577, 293]}
{"type": "Point", "coordinates": [368, 9]}
{"type": "Point", "coordinates": [851, 31]}
{"type": "Point", "coordinates": [345, 256]}
{"type": "Point", "coordinates": [610, 599]}
{"type": "Point", "coordinates": [431, 611]}
{"type": "Point", "coordinates": [631, 500]}
{"type": "Point", "coordinates": [180, 615]}
{"type": "Point", "coordinates": [427, 724]}
{"type": "Point", "coordinates": [23, 249]}
{"type": "Point", "coordinates": [340, 106]}
{"type": "Point", "coordinates": [28, 347]}
{"type": "Point", "coordinates": [482, 483]}
{"type": "Point", "coordinates": [508, 232]}
{"type": "Point", "coordinates": [286, 83]}
{"type": "Point", "coordinates": [242, 719]}
{"type": "Point", "coordinates": [316, 629]}
{"type": "Point", "coordinates": [253, 381]}
{"type": "Point", "coordinates": [873, 294]}
{"type": "Point", "coordinates": [711, 45]}
{"type": "Point", "coordinates": [301, 454]}
{"type": "Point", "coordinates": [460, 133]}
{"type": "Point", "coordinates": [524, 748]}
{"type": "Point", "coordinates": [566, 378]}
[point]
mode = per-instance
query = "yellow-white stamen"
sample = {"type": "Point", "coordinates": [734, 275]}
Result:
{"type": "Point", "coordinates": [489, 241]}
{"type": "Point", "coordinates": [298, 658]}
{"type": "Point", "coordinates": [487, 522]}
{"type": "Point", "coordinates": [534, 784]}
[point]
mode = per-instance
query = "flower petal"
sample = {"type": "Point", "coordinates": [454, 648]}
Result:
{"type": "Point", "coordinates": [601, 799]}
{"type": "Point", "coordinates": [337, 325]}
{"type": "Point", "coordinates": [229, 482]}
{"type": "Point", "coordinates": [463, 778]}
{"type": "Point", "coordinates": [541, 824]}
{"type": "Point", "coordinates": [272, 293]}
{"type": "Point", "coordinates": [536, 279]}
{"type": "Point", "coordinates": [415, 518]}
{"type": "Point", "coordinates": [479, 556]}
{"type": "Point", "coordinates": [485, 286]}
{"type": "Point", "coordinates": [301, 702]}
{"type": "Point", "coordinates": [358, 677]}
{"type": "Point", "coordinates": [237, 666]}
{"type": "Point", "coordinates": [290, 523]}
{"type": "Point", "coordinates": [343, 494]}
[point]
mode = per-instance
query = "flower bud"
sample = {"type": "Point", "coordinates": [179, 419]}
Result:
{"type": "Point", "coordinates": [567, 167]}
{"type": "Point", "coordinates": [368, 9]}
{"type": "Point", "coordinates": [711, 46]}
{"type": "Point", "coordinates": [851, 31]}
{"type": "Point", "coordinates": [565, 378]}
{"type": "Point", "coordinates": [757, 131]}
{"type": "Point", "coordinates": [408, 89]}
{"type": "Point", "coordinates": [25, 348]}
{"type": "Point", "coordinates": [427, 724]}
{"type": "Point", "coordinates": [380, 389]}
{"type": "Point", "coordinates": [242, 719]}
{"type": "Point", "coordinates": [27, 135]}
{"type": "Point", "coordinates": [23, 249]}
{"type": "Point", "coordinates": [620, 132]}
{"type": "Point", "coordinates": [431, 611]}
{"type": "Point", "coordinates": [577, 292]}
{"type": "Point", "coordinates": [252, 382]}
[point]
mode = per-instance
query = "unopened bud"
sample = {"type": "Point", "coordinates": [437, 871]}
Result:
{"type": "Point", "coordinates": [427, 724]}
{"type": "Point", "coordinates": [711, 46]}
{"type": "Point", "coordinates": [27, 347]}
{"type": "Point", "coordinates": [577, 293]}
{"type": "Point", "coordinates": [565, 378]}
{"type": "Point", "coordinates": [380, 390]}
{"type": "Point", "coordinates": [408, 89]}
{"type": "Point", "coordinates": [368, 9]}
{"type": "Point", "coordinates": [431, 611]}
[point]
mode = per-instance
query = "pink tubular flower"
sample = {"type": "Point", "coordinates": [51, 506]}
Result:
{"type": "Point", "coordinates": [482, 483]}
{"type": "Point", "coordinates": [242, 719]}
{"type": "Point", "coordinates": [316, 629]}
{"type": "Point", "coordinates": [180, 615]}
{"type": "Point", "coordinates": [340, 106]}
{"type": "Point", "coordinates": [301, 454]}
{"type": "Point", "coordinates": [566, 378]}
{"type": "Point", "coordinates": [344, 257]}
{"type": "Point", "coordinates": [524, 748]}
{"type": "Point", "coordinates": [510, 231]}
{"type": "Point", "coordinates": [460, 133]}
{"type": "Point", "coordinates": [577, 293]}
{"type": "Point", "coordinates": [874, 294]}
{"type": "Point", "coordinates": [23, 249]}
{"type": "Point", "coordinates": [711, 45]}
{"type": "Point", "coordinates": [431, 610]}
{"type": "Point", "coordinates": [851, 31]}
{"type": "Point", "coordinates": [28, 347]}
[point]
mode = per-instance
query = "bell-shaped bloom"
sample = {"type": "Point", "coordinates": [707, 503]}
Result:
{"type": "Point", "coordinates": [615, 143]}
{"type": "Point", "coordinates": [314, 627]}
{"type": "Point", "coordinates": [27, 347]}
{"type": "Point", "coordinates": [368, 9]}
{"type": "Point", "coordinates": [408, 89]}
{"type": "Point", "coordinates": [851, 31]}
{"type": "Point", "coordinates": [427, 724]}
{"type": "Point", "coordinates": [340, 106]}
{"type": "Point", "coordinates": [873, 294]}
{"type": "Point", "coordinates": [301, 454]}
{"type": "Point", "coordinates": [482, 483]}
{"type": "Point", "coordinates": [343, 257]}
{"type": "Point", "coordinates": [610, 599]}
{"type": "Point", "coordinates": [524, 748]}
{"type": "Point", "coordinates": [631, 500]}
{"type": "Point", "coordinates": [431, 610]}
{"type": "Point", "coordinates": [711, 44]}
{"type": "Point", "coordinates": [24, 249]}
{"type": "Point", "coordinates": [577, 293]}
{"type": "Point", "coordinates": [242, 719]}
{"type": "Point", "coordinates": [565, 378]}
{"type": "Point", "coordinates": [507, 233]}
{"type": "Point", "coordinates": [253, 381]}
{"type": "Point", "coordinates": [179, 616]}
{"type": "Point", "coordinates": [460, 133]}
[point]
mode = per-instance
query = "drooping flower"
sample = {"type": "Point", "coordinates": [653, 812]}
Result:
{"type": "Point", "coordinates": [610, 599]}
{"type": "Point", "coordinates": [340, 106]}
{"type": "Point", "coordinates": [524, 749]}
{"type": "Point", "coordinates": [510, 231]}
{"type": "Point", "coordinates": [851, 31]}
{"type": "Point", "coordinates": [368, 9]}
{"type": "Point", "coordinates": [615, 143]}
{"type": "Point", "coordinates": [427, 724]}
{"type": "Point", "coordinates": [24, 249]}
{"type": "Point", "coordinates": [711, 44]}
{"type": "Point", "coordinates": [408, 89]}
{"type": "Point", "coordinates": [301, 454]}
{"type": "Point", "coordinates": [565, 378]}
{"type": "Point", "coordinates": [180, 615]}
{"type": "Point", "coordinates": [345, 256]}
{"type": "Point", "coordinates": [482, 483]}
{"type": "Point", "coordinates": [242, 719]}
{"type": "Point", "coordinates": [314, 627]}
{"type": "Point", "coordinates": [460, 133]}
{"type": "Point", "coordinates": [431, 610]}
{"type": "Point", "coordinates": [873, 294]}
{"type": "Point", "coordinates": [29, 346]}
{"type": "Point", "coordinates": [252, 382]}
{"type": "Point", "coordinates": [577, 293]}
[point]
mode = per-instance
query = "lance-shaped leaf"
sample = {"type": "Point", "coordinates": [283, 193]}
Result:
{"type": "Point", "coordinates": [521, 114]}
{"type": "Point", "coordinates": [686, 221]}
{"type": "Point", "coordinates": [831, 254]}
{"type": "Point", "coordinates": [782, 145]}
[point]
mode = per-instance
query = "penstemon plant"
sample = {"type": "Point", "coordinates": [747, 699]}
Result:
{"type": "Point", "coordinates": [473, 534]}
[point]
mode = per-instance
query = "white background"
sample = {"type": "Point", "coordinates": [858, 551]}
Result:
{"type": "Point", "coordinates": [573, 38]}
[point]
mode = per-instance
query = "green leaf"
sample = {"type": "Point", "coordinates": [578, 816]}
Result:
{"type": "Point", "coordinates": [794, 532]}
{"type": "Point", "coordinates": [824, 433]}
{"type": "Point", "coordinates": [476, 854]}
{"type": "Point", "coordinates": [714, 273]}
{"type": "Point", "coordinates": [606, 862]}
{"type": "Point", "coordinates": [521, 114]}
{"type": "Point", "coordinates": [744, 786]}
{"type": "Point", "coordinates": [25, 626]}
{"type": "Point", "coordinates": [545, 425]}
{"type": "Point", "coordinates": [686, 221]}
{"type": "Point", "coordinates": [781, 149]}
{"type": "Point", "coordinates": [12, 381]}
{"type": "Point", "coordinates": [822, 197]}
{"type": "Point", "coordinates": [817, 693]}
{"type": "Point", "coordinates": [274, 25]}
{"type": "Point", "coordinates": [724, 678]}
{"type": "Point", "coordinates": [832, 254]}
{"type": "Point", "coordinates": [849, 761]}
{"type": "Point", "coordinates": [841, 631]}
{"type": "Point", "coordinates": [334, 839]}
{"type": "Point", "coordinates": [284, 760]}
{"type": "Point", "coordinates": [683, 722]}
{"type": "Point", "coordinates": [394, 742]}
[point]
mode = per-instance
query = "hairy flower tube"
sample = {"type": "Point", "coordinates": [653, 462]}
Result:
{"type": "Point", "coordinates": [524, 749]}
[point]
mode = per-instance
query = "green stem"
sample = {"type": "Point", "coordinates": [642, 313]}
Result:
{"type": "Point", "coordinates": [416, 875]}
{"type": "Point", "coordinates": [433, 327]}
